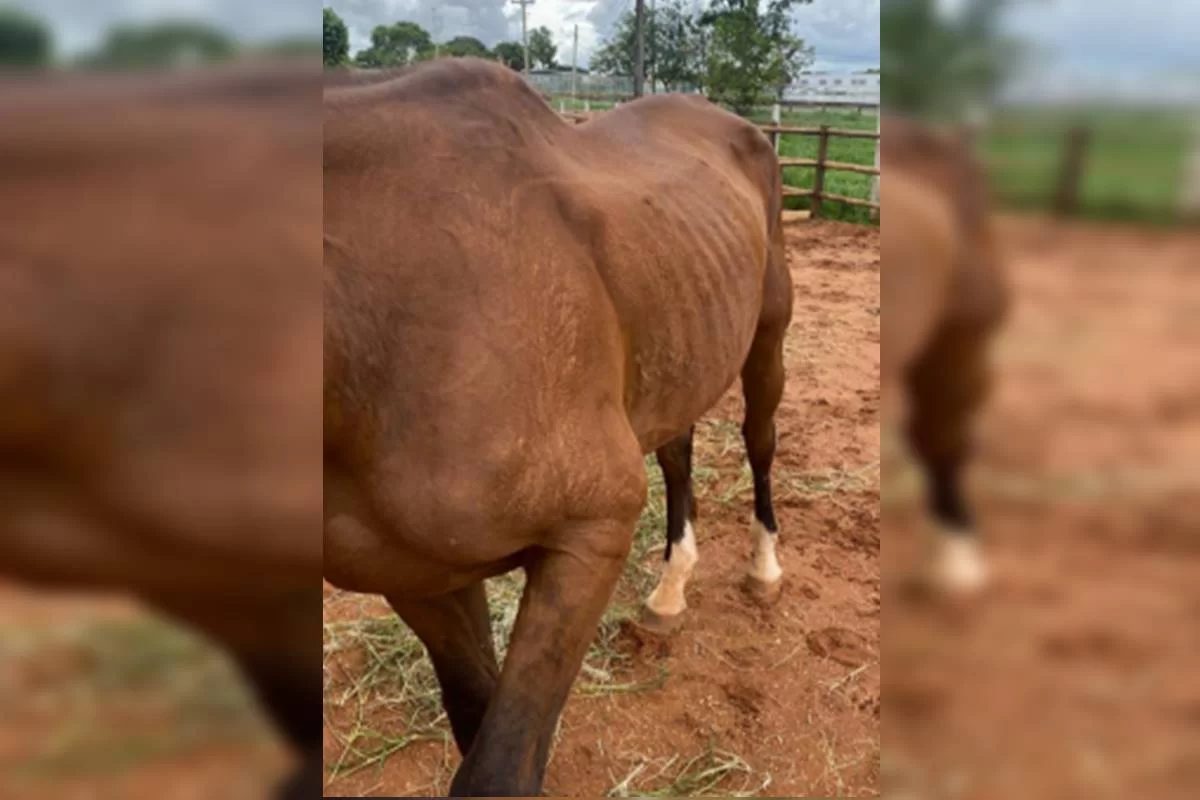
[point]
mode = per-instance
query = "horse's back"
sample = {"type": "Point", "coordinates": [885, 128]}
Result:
{"type": "Point", "coordinates": [942, 234]}
{"type": "Point", "coordinates": [686, 198]}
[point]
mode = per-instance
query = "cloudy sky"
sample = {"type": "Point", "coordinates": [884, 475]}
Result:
{"type": "Point", "coordinates": [1107, 37]}
{"type": "Point", "coordinates": [79, 25]}
{"type": "Point", "coordinates": [844, 32]}
{"type": "Point", "coordinates": [1093, 36]}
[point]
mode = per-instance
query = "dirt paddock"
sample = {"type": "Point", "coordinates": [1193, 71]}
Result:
{"type": "Point", "coordinates": [776, 701]}
{"type": "Point", "coordinates": [1077, 675]}
{"type": "Point", "coordinates": [99, 699]}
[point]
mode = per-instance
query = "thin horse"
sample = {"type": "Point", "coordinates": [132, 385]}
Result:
{"type": "Point", "coordinates": [517, 309]}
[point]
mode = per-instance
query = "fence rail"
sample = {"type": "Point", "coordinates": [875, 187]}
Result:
{"type": "Point", "coordinates": [821, 164]}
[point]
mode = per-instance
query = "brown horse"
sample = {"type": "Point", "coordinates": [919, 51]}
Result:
{"type": "Point", "coordinates": [160, 324]}
{"type": "Point", "coordinates": [517, 309]}
{"type": "Point", "coordinates": [944, 296]}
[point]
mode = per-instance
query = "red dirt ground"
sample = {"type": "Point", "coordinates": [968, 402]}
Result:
{"type": "Point", "coordinates": [1078, 675]}
{"type": "Point", "coordinates": [791, 689]}
{"type": "Point", "coordinates": [99, 699]}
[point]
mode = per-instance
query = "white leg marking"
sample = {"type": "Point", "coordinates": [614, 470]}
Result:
{"type": "Point", "coordinates": [667, 598]}
{"type": "Point", "coordinates": [764, 568]}
{"type": "Point", "coordinates": [955, 561]}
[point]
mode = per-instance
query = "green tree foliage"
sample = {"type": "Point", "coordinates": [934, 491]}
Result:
{"type": "Point", "coordinates": [937, 62]}
{"type": "Point", "coordinates": [292, 46]}
{"type": "Point", "coordinates": [335, 38]}
{"type": "Point", "coordinates": [164, 44]}
{"type": "Point", "coordinates": [24, 40]}
{"type": "Point", "coordinates": [674, 47]}
{"type": "Point", "coordinates": [542, 49]}
{"type": "Point", "coordinates": [511, 53]}
{"type": "Point", "coordinates": [752, 50]}
{"type": "Point", "coordinates": [395, 46]}
{"type": "Point", "coordinates": [463, 46]}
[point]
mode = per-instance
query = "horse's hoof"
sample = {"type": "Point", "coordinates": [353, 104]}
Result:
{"type": "Point", "coordinates": [661, 624]}
{"type": "Point", "coordinates": [304, 784]}
{"type": "Point", "coordinates": [956, 566]}
{"type": "Point", "coordinates": [765, 592]}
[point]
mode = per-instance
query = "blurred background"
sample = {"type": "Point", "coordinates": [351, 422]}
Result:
{"type": "Point", "coordinates": [151, 34]}
{"type": "Point", "coordinates": [159, 359]}
{"type": "Point", "coordinates": [1075, 673]}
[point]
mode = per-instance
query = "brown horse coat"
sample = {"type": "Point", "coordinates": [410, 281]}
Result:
{"type": "Point", "coordinates": [516, 306]}
{"type": "Point", "coordinates": [944, 297]}
{"type": "Point", "coordinates": [517, 309]}
{"type": "Point", "coordinates": [160, 319]}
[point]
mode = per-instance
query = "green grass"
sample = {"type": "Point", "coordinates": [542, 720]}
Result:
{"type": "Point", "coordinates": [578, 105]}
{"type": "Point", "coordinates": [856, 151]}
{"type": "Point", "coordinates": [1132, 168]}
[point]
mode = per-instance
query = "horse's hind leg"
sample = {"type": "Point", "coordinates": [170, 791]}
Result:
{"type": "Point", "coordinates": [456, 630]}
{"type": "Point", "coordinates": [762, 386]}
{"type": "Point", "coordinates": [666, 603]}
{"type": "Point", "coordinates": [946, 386]}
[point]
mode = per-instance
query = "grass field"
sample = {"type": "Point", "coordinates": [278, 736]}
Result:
{"type": "Point", "coordinates": [1132, 168]}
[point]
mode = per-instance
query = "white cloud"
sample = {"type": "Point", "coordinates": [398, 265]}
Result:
{"type": "Point", "coordinates": [80, 25]}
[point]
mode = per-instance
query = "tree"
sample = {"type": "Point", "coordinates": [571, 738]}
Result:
{"type": "Point", "coordinates": [395, 46]}
{"type": "Point", "coordinates": [542, 49]}
{"type": "Point", "coordinates": [336, 39]}
{"type": "Point", "coordinates": [937, 62]}
{"type": "Point", "coordinates": [165, 44]}
{"type": "Point", "coordinates": [674, 46]}
{"type": "Point", "coordinates": [462, 46]}
{"type": "Point", "coordinates": [292, 47]}
{"type": "Point", "coordinates": [24, 40]}
{"type": "Point", "coordinates": [615, 54]}
{"type": "Point", "coordinates": [752, 50]}
{"type": "Point", "coordinates": [511, 53]}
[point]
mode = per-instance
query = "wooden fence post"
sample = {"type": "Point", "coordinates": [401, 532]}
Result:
{"type": "Point", "coordinates": [1189, 187]}
{"type": "Point", "coordinates": [775, 117]}
{"type": "Point", "coordinates": [874, 194]}
{"type": "Point", "coordinates": [1070, 174]}
{"type": "Point", "coordinates": [819, 176]}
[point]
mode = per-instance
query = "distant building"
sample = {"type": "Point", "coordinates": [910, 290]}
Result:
{"type": "Point", "coordinates": [821, 86]}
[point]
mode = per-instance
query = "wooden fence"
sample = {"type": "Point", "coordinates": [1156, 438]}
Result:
{"type": "Point", "coordinates": [821, 164]}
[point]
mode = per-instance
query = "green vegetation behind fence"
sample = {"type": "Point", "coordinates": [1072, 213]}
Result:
{"type": "Point", "coordinates": [1132, 162]}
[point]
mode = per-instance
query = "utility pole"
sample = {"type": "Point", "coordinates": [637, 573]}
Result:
{"type": "Point", "coordinates": [653, 47]}
{"type": "Point", "coordinates": [639, 45]}
{"type": "Point", "coordinates": [525, 30]}
{"type": "Point", "coordinates": [575, 68]}
{"type": "Point", "coordinates": [437, 32]}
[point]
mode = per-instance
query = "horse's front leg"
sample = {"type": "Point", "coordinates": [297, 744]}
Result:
{"type": "Point", "coordinates": [569, 583]}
